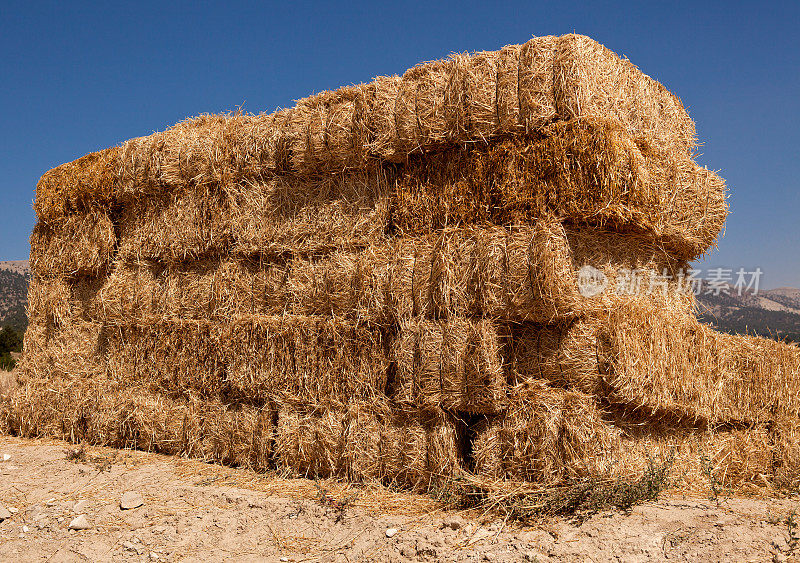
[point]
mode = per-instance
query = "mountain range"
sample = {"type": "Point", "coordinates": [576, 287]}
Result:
{"type": "Point", "coordinates": [774, 312]}
{"type": "Point", "coordinates": [14, 277]}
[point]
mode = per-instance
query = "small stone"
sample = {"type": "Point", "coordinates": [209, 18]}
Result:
{"type": "Point", "coordinates": [284, 558]}
{"type": "Point", "coordinates": [455, 523]}
{"type": "Point", "coordinates": [5, 514]}
{"type": "Point", "coordinates": [390, 532]}
{"type": "Point", "coordinates": [129, 546]}
{"type": "Point", "coordinates": [131, 500]}
{"type": "Point", "coordinates": [12, 510]}
{"type": "Point", "coordinates": [25, 529]}
{"type": "Point", "coordinates": [80, 523]}
{"type": "Point", "coordinates": [50, 501]}
{"type": "Point", "coordinates": [80, 506]}
{"type": "Point", "coordinates": [60, 519]}
{"type": "Point", "coordinates": [153, 556]}
{"type": "Point", "coordinates": [6, 457]}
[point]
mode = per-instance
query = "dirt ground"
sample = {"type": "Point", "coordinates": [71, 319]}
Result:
{"type": "Point", "coordinates": [199, 512]}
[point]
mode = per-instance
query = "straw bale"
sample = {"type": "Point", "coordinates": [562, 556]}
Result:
{"type": "Point", "coordinates": [86, 183]}
{"type": "Point", "coordinates": [672, 359]}
{"type": "Point", "coordinates": [279, 216]}
{"type": "Point", "coordinates": [365, 440]}
{"type": "Point", "coordinates": [72, 350]}
{"type": "Point", "coordinates": [329, 133]}
{"type": "Point", "coordinates": [660, 363]}
{"type": "Point", "coordinates": [535, 77]}
{"type": "Point", "coordinates": [178, 357]}
{"type": "Point", "coordinates": [199, 151]}
{"type": "Point", "coordinates": [733, 457]}
{"type": "Point", "coordinates": [315, 360]}
{"type": "Point", "coordinates": [454, 365]}
{"type": "Point", "coordinates": [352, 285]}
{"type": "Point", "coordinates": [586, 171]}
{"type": "Point", "coordinates": [114, 413]}
{"type": "Point", "coordinates": [419, 449]}
{"type": "Point", "coordinates": [187, 224]}
{"type": "Point", "coordinates": [785, 435]}
{"type": "Point", "coordinates": [591, 80]}
{"type": "Point", "coordinates": [436, 90]}
{"type": "Point", "coordinates": [60, 301]}
{"type": "Point", "coordinates": [254, 359]}
{"type": "Point", "coordinates": [75, 244]}
{"type": "Point", "coordinates": [663, 374]}
{"type": "Point", "coordinates": [520, 274]}
{"type": "Point", "coordinates": [286, 215]}
{"type": "Point", "coordinates": [528, 273]}
{"type": "Point", "coordinates": [310, 442]}
{"type": "Point", "coordinates": [552, 436]}
{"type": "Point", "coordinates": [210, 289]}
{"type": "Point", "coordinates": [547, 435]}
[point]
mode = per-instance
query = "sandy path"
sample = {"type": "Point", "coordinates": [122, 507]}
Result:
{"type": "Point", "coordinates": [199, 512]}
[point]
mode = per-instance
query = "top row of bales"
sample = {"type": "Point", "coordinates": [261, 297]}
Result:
{"type": "Point", "coordinates": [559, 127]}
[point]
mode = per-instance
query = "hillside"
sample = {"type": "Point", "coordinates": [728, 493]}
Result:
{"type": "Point", "coordinates": [14, 278]}
{"type": "Point", "coordinates": [774, 313]}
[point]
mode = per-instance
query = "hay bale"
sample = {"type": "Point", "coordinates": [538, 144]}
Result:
{"type": "Point", "coordinates": [459, 100]}
{"type": "Point", "coordinates": [591, 80]}
{"type": "Point", "coordinates": [522, 274]}
{"type": "Point", "coordinates": [178, 226]}
{"type": "Point", "coordinates": [586, 171]}
{"type": "Point", "coordinates": [663, 364]}
{"type": "Point", "coordinates": [419, 449]}
{"type": "Point", "coordinates": [172, 357]}
{"type": "Point", "coordinates": [671, 359]}
{"type": "Point", "coordinates": [310, 442]}
{"type": "Point", "coordinates": [53, 352]}
{"type": "Point", "coordinates": [528, 273]}
{"type": "Point", "coordinates": [86, 183]}
{"type": "Point", "coordinates": [283, 216]}
{"type": "Point", "coordinates": [72, 245]}
{"type": "Point", "coordinates": [113, 413]}
{"type": "Point", "coordinates": [291, 216]}
{"type": "Point", "coordinates": [552, 436]}
{"type": "Point", "coordinates": [547, 436]}
{"type": "Point", "coordinates": [210, 289]}
{"type": "Point", "coordinates": [454, 365]}
{"type": "Point", "coordinates": [433, 106]}
{"type": "Point", "coordinates": [367, 441]}
{"type": "Point", "coordinates": [314, 360]}
{"type": "Point", "coordinates": [61, 301]}
{"type": "Point", "coordinates": [255, 359]}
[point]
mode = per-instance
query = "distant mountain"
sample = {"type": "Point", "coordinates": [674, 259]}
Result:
{"type": "Point", "coordinates": [14, 277]}
{"type": "Point", "coordinates": [774, 313]}
{"type": "Point", "coordinates": [17, 266]}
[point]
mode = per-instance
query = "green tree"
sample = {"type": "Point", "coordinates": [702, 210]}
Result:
{"type": "Point", "coordinates": [10, 341]}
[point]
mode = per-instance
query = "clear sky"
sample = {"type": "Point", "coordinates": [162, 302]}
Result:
{"type": "Point", "coordinates": [75, 78]}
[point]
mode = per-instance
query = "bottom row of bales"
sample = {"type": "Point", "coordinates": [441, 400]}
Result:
{"type": "Point", "coordinates": [549, 437]}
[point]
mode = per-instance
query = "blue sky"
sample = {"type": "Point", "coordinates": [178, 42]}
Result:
{"type": "Point", "coordinates": [78, 77]}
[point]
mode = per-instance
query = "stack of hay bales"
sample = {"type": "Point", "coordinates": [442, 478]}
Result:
{"type": "Point", "coordinates": [382, 282]}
